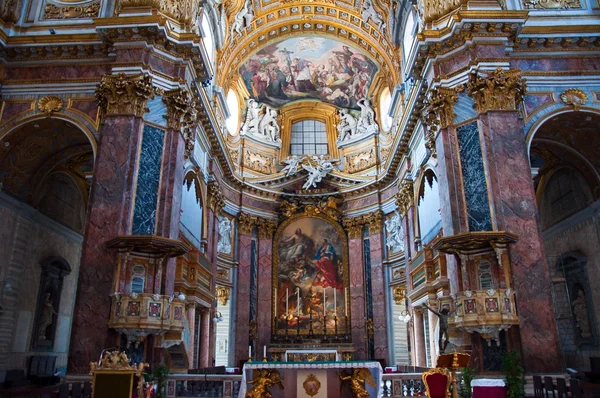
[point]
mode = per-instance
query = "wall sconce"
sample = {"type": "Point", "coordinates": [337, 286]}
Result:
{"type": "Point", "coordinates": [218, 317]}
{"type": "Point", "coordinates": [180, 296]}
{"type": "Point", "coordinates": [405, 316]}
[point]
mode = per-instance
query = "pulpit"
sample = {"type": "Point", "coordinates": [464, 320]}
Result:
{"type": "Point", "coordinates": [311, 379]}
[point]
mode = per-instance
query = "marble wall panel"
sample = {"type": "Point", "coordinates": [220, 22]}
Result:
{"type": "Point", "coordinates": [12, 109]}
{"type": "Point", "coordinates": [265, 291]}
{"type": "Point", "coordinates": [571, 64]}
{"type": "Point", "coordinates": [57, 72]}
{"type": "Point", "coordinates": [357, 297]}
{"type": "Point", "coordinates": [378, 297]}
{"type": "Point", "coordinates": [243, 299]}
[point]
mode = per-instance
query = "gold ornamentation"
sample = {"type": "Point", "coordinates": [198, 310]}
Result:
{"type": "Point", "coordinates": [287, 209]}
{"type": "Point", "coordinates": [357, 380]}
{"type": "Point", "coordinates": [370, 328]}
{"type": "Point", "coordinates": [247, 223]}
{"type": "Point", "coordinates": [184, 11]}
{"type": "Point", "coordinates": [438, 112]}
{"type": "Point", "coordinates": [574, 97]}
{"type": "Point", "coordinates": [264, 379]}
{"type": "Point", "coordinates": [354, 227]}
{"type": "Point", "coordinates": [223, 273]}
{"type": "Point", "coordinates": [215, 197]}
{"type": "Point", "coordinates": [124, 94]}
{"type": "Point", "coordinates": [222, 294]}
{"type": "Point", "coordinates": [551, 4]}
{"type": "Point", "coordinates": [10, 10]}
{"type": "Point", "coordinates": [49, 104]}
{"type": "Point", "coordinates": [115, 360]}
{"type": "Point", "coordinates": [311, 385]}
{"type": "Point", "coordinates": [399, 293]}
{"type": "Point", "coordinates": [266, 227]}
{"type": "Point", "coordinates": [189, 136]}
{"type": "Point", "coordinates": [52, 11]}
{"type": "Point", "coordinates": [330, 207]}
{"type": "Point", "coordinates": [404, 198]}
{"type": "Point", "coordinates": [360, 161]}
{"type": "Point", "coordinates": [500, 90]}
{"type": "Point", "coordinates": [258, 162]}
{"type": "Point", "coordinates": [252, 330]}
{"type": "Point", "coordinates": [440, 371]}
{"type": "Point", "coordinates": [180, 107]}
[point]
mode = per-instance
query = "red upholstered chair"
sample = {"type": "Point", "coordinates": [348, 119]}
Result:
{"type": "Point", "coordinates": [437, 383]}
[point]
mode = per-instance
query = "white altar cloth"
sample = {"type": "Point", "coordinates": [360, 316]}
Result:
{"type": "Point", "coordinates": [374, 365]}
{"type": "Point", "coordinates": [337, 356]}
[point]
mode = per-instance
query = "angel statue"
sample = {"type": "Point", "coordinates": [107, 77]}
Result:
{"type": "Point", "coordinates": [291, 167]}
{"type": "Point", "coordinates": [368, 11]}
{"type": "Point", "coordinates": [357, 382]}
{"type": "Point", "coordinates": [243, 18]}
{"type": "Point", "coordinates": [366, 121]}
{"type": "Point", "coordinates": [317, 169]}
{"type": "Point", "coordinates": [347, 125]}
{"type": "Point", "coordinates": [262, 380]}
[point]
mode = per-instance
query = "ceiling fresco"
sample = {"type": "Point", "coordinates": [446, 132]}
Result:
{"type": "Point", "coordinates": [308, 68]}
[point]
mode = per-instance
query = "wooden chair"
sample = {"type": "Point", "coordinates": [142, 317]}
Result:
{"type": "Point", "coordinates": [437, 382]}
{"type": "Point", "coordinates": [548, 386]}
{"type": "Point", "coordinates": [538, 387]}
{"type": "Point", "coordinates": [575, 388]}
{"type": "Point", "coordinates": [561, 387]}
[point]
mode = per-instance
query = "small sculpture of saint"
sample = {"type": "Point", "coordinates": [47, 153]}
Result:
{"type": "Point", "coordinates": [580, 312]}
{"type": "Point", "coordinates": [46, 317]}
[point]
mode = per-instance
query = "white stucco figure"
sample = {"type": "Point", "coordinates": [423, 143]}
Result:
{"type": "Point", "coordinates": [268, 126]}
{"type": "Point", "coordinates": [224, 243]}
{"type": "Point", "coordinates": [261, 122]}
{"type": "Point", "coordinates": [347, 125]}
{"type": "Point", "coordinates": [366, 122]}
{"type": "Point", "coordinates": [243, 18]}
{"type": "Point", "coordinates": [318, 167]}
{"type": "Point", "coordinates": [254, 114]}
{"type": "Point", "coordinates": [395, 238]}
{"type": "Point", "coordinates": [369, 12]}
{"type": "Point", "coordinates": [292, 163]}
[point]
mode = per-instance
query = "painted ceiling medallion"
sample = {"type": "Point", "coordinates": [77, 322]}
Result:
{"type": "Point", "coordinates": [574, 97]}
{"type": "Point", "coordinates": [49, 104]}
{"type": "Point", "coordinates": [311, 385]}
{"type": "Point", "coordinates": [305, 67]}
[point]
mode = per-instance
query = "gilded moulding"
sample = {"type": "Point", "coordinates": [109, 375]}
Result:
{"type": "Point", "coordinates": [180, 107]}
{"type": "Point", "coordinates": [438, 112]}
{"type": "Point", "coordinates": [222, 294]}
{"type": "Point", "coordinates": [354, 226]}
{"type": "Point", "coordinates": [53, 11]}
{"type": "Point", "coordinates": [500, 90]}
{"type": "Point", "coordinates": [246, 223]}
{"type": "Point", "coordinates": [123, 94]}
{"type": "Point", "coordinates": [404, 197]}
{"type": "Point", "coordinates": [399, 293]}
{"type": "Point", "coordinates": [215, 197]}
{"type": "Point", "coordinates": [574, 97]}
{"type": "Point", "coordinates": [184, 11]}
{"type": "Point", "coordinates": [50, 104]}
{"type": "Point", "coordinates": [266, 227]}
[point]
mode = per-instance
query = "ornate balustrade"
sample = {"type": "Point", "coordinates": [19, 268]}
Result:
{"type": "Point", "coordinates": [402, 385]}
{"type": "Point", "coordinates": [485, 311]}
{"type": "Point", "coordinates": [143, 314]}
{"type": "Point", "coordinates": [184, 385]}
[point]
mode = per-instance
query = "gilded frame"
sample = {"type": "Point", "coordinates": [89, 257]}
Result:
{"type": "Point", "coordinates": [274, 270]}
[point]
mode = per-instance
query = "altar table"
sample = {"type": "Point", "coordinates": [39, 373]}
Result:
{"type": "Point", "coordinates": [295, 373]}
{"type": "Point", "coordinates": [488, 388]}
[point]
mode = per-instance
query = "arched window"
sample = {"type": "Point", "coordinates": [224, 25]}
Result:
{"type": "Point", "coordinates": [138, 279]}
{"type": "Point", "coordinates": [430, 219]}
{"type": "Point", "coordinates": [233, 121]}
{"type": "Point", "coordinates": [486, 280]}
{"type": "Point", "coordinates": [565, 193]}
{"type": "Point", "coordinates": [309, 137]}
{"type": "Point", "coordinates": [385, 100]}
{"type": "Point", "coordinates": [190, 222]}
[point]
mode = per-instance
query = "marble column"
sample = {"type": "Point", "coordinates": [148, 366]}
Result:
{"type": "Point", "coordinates": [205, 339]}
{"type": "Point", "coordinates": [109, 215]}
{"type": "Point", "coordinates": [265, 284]}
{"type": "Point", "coordinates": [378, 289]}
{"type": "Point", "coordinates": [242, 301]}
{"type": "Point", "coordinates": [514, 209]}
{"type": "Point", "coordinates": [419, 333]}
{"type": "Point", "coordinates": [191, 315]}
{"type": "Point", "coordinates": [433, 336]}
{"type": "Point", "coordinates": [357, 293]}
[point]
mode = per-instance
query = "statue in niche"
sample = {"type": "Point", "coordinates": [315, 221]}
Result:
{"type": "Point", "coordinates": [347, 126]}
{"type": "Point", "coordinates": [46, 317]}
{"type": "Point", "coordinates": [369, 12]}
{"type": "Point", "coordinates": [243, 18]}
{"type": "Point", "coordinates": [366, 122]}
{"type": "Point", "coordinates": [395, 238]}
{"type": "Point", "coordinates": [261, 122]}
{"type": "Point", "coordinates": [224, 242]}
{"type": "Point", "coordinates": [580, 312]}
{"type": "Point", "coordinates": [444, 315]}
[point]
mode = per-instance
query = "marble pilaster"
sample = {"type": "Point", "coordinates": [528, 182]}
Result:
{"type": "Point", "coordinates": [242, 339]}
{"type": "Point", "coordinates": [265, 291]}
{"type": "Point", "coordinates": [378, 292]}
{"type": "Point", "coordinates": [419, 333]}
{"type": "Point", "coordinates": [205, 352]}
{"type": "Point", "coordinates": [357, 296]}
{"type": "Point", "coordinates": [191, 317]}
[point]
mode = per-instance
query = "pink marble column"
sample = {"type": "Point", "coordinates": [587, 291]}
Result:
{"type": "Point", "coordinates": [205, 339]}
{"type": "Point", "coordinates": [515, 210]}
{"type": "Point", "coordinates": [242, 322]}
{"type": "Point", "coordinates": [109, 211]}
{"type": "Point", "coordinates": [357, 296]}
{"type": "Point", "coordinates": [433, 337]}
{"type": "Point", "coordinates": [265, 290]}
{"type": "Point", "coordinates": [378, 292]}
{"type": "Point", "coordinates": [191, 315]}
{"type": "Point", "coordinates": [419, 333]}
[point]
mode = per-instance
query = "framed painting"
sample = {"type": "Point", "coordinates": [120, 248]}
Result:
{"type": "Point", "coordinates": [310, 276]}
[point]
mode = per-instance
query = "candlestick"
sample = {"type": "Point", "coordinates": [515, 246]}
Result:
{"type": "Point", "coordinates": [275, 301]}
{"type": "Point", "coordinates": [324, 303]}
{"type": "Point", "coordinates": [346, 302]}
{"type": "Point", "coordinates": [287, 310]}
{"type": "Point", "coordinates": [250, 351]}
{"type": "Point", "coordinates": [335, 300]}
{"type": "Point", "coordinates": [298, 302]}
{"type": "Point", "coordinates": [265, 351]}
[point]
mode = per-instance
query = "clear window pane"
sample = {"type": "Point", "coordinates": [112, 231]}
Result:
{"type": "Point", "coordinates": [309, 137]}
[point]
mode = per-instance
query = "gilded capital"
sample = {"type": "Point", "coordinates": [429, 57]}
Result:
{"type": "Point", "coordinates": [247, 223]}
{"type": "Point", "coordinates": [500, 90]}
{"type": "Point", "coordinates": [354, 227]}
{"type": "Point", "coordinates": [180, 107]}
{"type": "Point", "coordinates": [184, 11]}
{"type": "Point", "coordinates": [215, 197]}
{"type": "Point", "coordinates": [124, 94]}
{"type": "Point", "coordinates": [374, 221]}
{"type": "Point", "coordinates": [438, 112]}
{"type": "Point", "coordinates": [404, 198]}
{"type": "Point", "coordinates": [266, 227]}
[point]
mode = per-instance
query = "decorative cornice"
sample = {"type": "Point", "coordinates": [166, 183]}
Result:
{"type": "Point", "coordinates": [438, 112]}
{"type": "Point", "coordinates": [266, 227]}
{"type": "Point", "coordinates": [246, 223]}
{"type": "Point", "coordinates": [215, 197]}
{"type": "Point", "coordinates": [500, 90]}
{"type": "Point", "coordinates": [180, 107]}
{"type": "Point", "coordinates": [124, 94]}
{"type": "Point", "coordinates": [404, 197]}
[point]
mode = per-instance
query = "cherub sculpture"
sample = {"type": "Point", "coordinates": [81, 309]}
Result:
{"type": "Point", "coordinates": [292, 163]}
{"type": "Point", "coordinates": [357, 382]}
{"type": "Point", "coordinates": [263, 380]}
{"type": "Point", "coordinates": [317, 169]}
{"type": "Point", "coordinates": [347, 125]}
